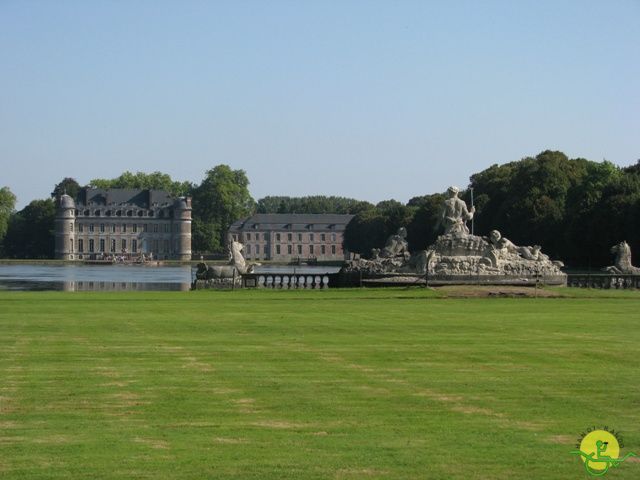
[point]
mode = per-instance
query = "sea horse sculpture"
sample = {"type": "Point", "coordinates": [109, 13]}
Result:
{"type": "Point", "coordinates": [622, 264]}
{"type": "Point", "coordinates": [237, 266]}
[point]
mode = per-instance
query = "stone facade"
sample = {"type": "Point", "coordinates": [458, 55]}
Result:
{"type": "Point", "coordinates": [123, 223]}
{"type": "Point", "coordinates": [292, 237]}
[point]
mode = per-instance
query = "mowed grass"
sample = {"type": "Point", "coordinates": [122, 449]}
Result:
{"type": "Point", "coordinates": [354, 384]}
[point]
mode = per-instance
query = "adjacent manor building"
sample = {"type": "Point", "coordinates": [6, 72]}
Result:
{"type": "Point", "coordinates": [292, 237]}
{"type": "Point", "coordinates": [123, 222]}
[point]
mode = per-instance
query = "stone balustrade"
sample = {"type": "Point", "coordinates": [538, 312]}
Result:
{"type": "Point", "coordinates": [603, 280]}
{"type": "Point", "coordinates": [286, 281]}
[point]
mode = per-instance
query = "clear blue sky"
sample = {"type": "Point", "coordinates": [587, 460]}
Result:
{"type": "Point", "coordinates": [366, 99]}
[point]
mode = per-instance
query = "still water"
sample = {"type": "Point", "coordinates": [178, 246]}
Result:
{"type": "Point", "coordinates": [115, 277]}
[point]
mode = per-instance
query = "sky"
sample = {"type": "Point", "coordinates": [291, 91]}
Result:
{"type": "Point", "coordinates": [359, 98]}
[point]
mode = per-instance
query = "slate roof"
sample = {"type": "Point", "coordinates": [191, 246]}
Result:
{"type": "Point", "coordinates": [292, 222]}
{"type": "Point", "coordinates": [123, 196]}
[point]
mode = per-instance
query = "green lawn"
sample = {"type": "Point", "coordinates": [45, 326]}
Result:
{"type": "Point", "coordinates": [349, 384]}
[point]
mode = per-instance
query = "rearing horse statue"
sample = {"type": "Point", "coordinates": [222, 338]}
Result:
{"type": "Point", "coordinates": [237, 266]}
{"type": "Point", "coordinates": [622, 264]}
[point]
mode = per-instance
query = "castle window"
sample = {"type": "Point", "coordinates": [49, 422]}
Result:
{"type": "Point", "coordinates": [91, 228]}
{"type": "Point", "coordinates": [277, 249]}
{"type": "Point", "coordinates": [248, 249]}
{"type": "Point", "coordinates": [277, 237]}
{"type": "Point", "coordinates": [248, 235]}
{"type": "Point", "coordinates": [140, 213]}
{"type": "Point", "coordinates": [80, 228]}
{"type": "Point", "coordinates": [71, 226]}
{"type": "Point", "coordinates": [102, 228]}
{"type": "Point", "coordinates": [71, 245]}
{"type": "Point", "coordinates": [166, 228]}
{"type": "Point", "coordinates": [289, 249]}
{"type": "Point", "coordinates": [129, 213]}
{"type": "Point", "coordinates": [299, 249]}
{"type": "Point", "coordinates": [299, 237]}
{"type": "Point", "coordinates": [134, 245]}
{"type": "Point", "coordinates": [333, 249]}
{"type": "Point", "coordinates": [124, 245]}
{"type": "Point", "coordinates": [290, 237]}
{"type": "Point", "coordinates": [155, 228]}
{"type": "Point", "coordinates": [257, 249]}
{"type": "Point", "coordinates": [86, 213]}
{"type": "Point", "coordinates": [310, 249]}
{"type": "Point", "coordinates": [113, 228]}
{"type": "Point", "coordinates": [113, 245]}
{"type": "Point", "coordinates": [333, 237]}
{"type": "Point", "coordinates": [118, 213]}
{"type": "Point", "coordinates": [323, 249]}
{"type": "Point", "coordinates": [323, 237]}
{"type": "Point", "coordinates": [80, 245]}
{"type": "Point", "coordinates": [124, 228]}
{"type": "Point", "coordinates": [135, 228]}
{"type": "Point", "coordinates": [97, 213]}
{"type": "Point", "coordinates": [266, 237]}
{"type": "Point", "coordinates": [311, 237]}
{"type": "Point", "coordinates": [150, 213]}
{"type": "Point", "coordinates": [91, 246]}
{"type": "Point", "coordinates": [108, 213]}
{"type": "Point", "coordinates": [102, 244]}
{"type": "Point", "coordinates": [144, 227]}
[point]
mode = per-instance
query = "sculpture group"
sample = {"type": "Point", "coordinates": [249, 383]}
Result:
{"type": "Point", "coordinates": [221, 275]}
{"type": "Point", "coordinates": [456, 256]}
{"type": "Point", "coordinates": [459, 253]}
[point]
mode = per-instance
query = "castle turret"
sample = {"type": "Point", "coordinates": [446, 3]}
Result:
{"type": "Point", "coordinates": [65, 228]}
{"type": "Point", "coordinates": [182, 222]}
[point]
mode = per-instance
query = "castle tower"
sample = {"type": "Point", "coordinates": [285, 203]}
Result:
{"type": "Point", "coordinates": [65, 228]}
{"type": "Point", "coordinates": [182, 228]}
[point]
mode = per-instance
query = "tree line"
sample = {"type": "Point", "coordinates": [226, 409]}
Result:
{"type": "Point", "coordinates": [575, 208]}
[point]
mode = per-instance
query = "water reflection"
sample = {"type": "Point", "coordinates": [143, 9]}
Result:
{"type": "Point", "coordinates": [89, 286]}
{"type": "Point", "coordinates": [81, 278]}
{"type": "Point", "coordinates": [75, 278]}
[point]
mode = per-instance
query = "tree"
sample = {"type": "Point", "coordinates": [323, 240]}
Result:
{"type": "Point", "coordinates": [31, 231]}
{"type": "Point", "coordinates": [221, 199]}
{"type": "Point", "coordinates": [7, 204]}
{"type": "Point", "coordinates": [68, 185]}
{"type": "Point", "coordinates": [143, 181]}
{"type": "Point", "coordinates": [422, 230]}
{"type": "Point", "coordinates": [311, 204]}
{"type": "Point", "coordinates": [367, 230]}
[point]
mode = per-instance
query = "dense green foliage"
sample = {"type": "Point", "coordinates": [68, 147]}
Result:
{"type": "Point", "coordinates": [222, 198]}
{"type": "Point", "coordinates": [575, 208]}
{"type": "Point", "coordinates": [7, 204]}
{"type": "Point", "coordinates": [384, 384]}
{"type": "Point", "coordinates": [31, 231]}
{"type": "Point", "coordinates": [311, 204]}
{"type": "Point", "coordinates": [67, 186]}
{"type": "Point", "coordinates": [140, 180]}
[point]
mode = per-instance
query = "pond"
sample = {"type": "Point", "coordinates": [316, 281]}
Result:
{"type": "Point", "coordinates": [116, 277]}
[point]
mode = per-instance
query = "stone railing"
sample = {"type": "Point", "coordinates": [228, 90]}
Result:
{"type": "Point", "coordinates": [288, 281]}
{"type": "Point", "coordinates": [603, 280]}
